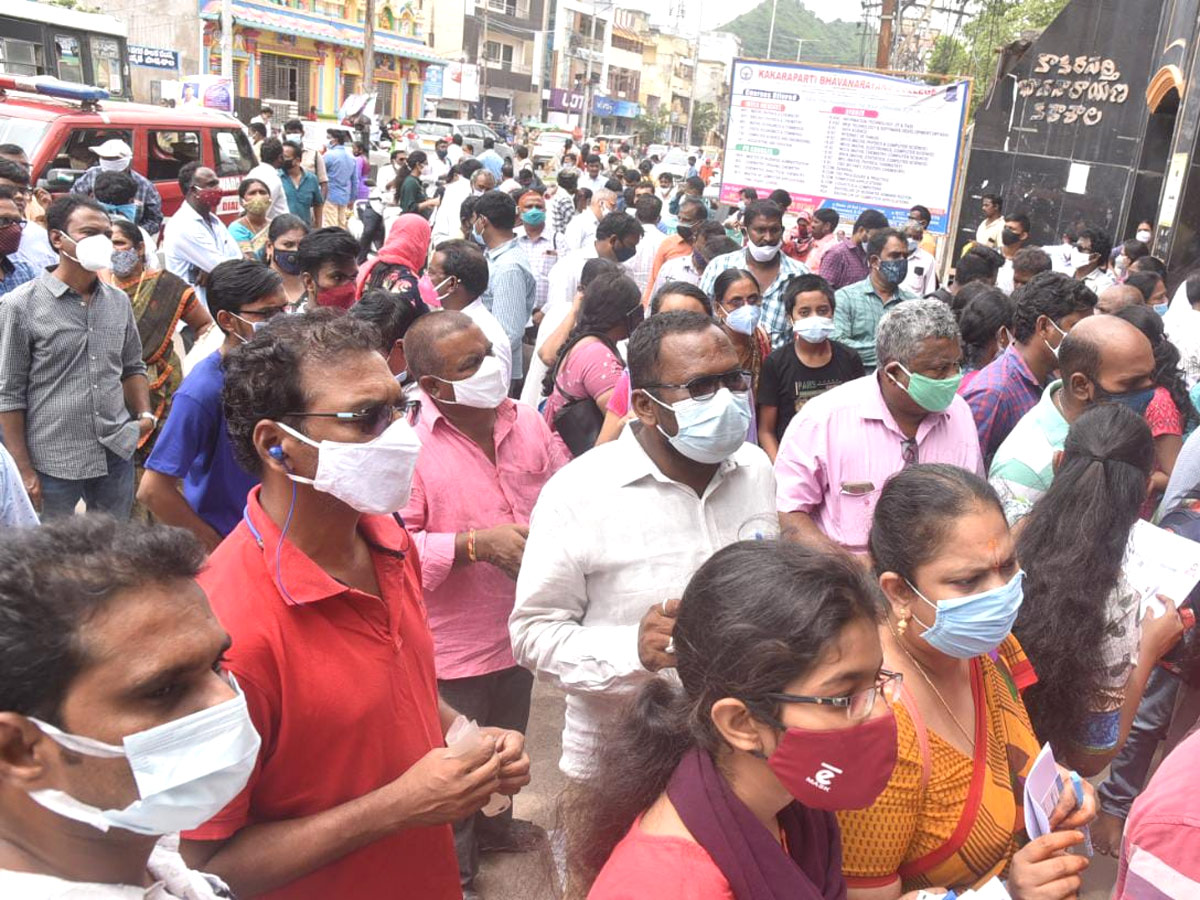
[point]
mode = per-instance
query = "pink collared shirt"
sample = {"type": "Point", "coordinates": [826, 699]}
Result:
{"type": "Point", "coordinates": [457, 488]}
{"type": "Point", "coordinates": [844, 444]}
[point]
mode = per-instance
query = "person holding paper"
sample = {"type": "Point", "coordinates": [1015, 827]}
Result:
{"type": "Point", "coordinates": [948, 570]}
{"type": "Point", "coordinates": [1080, 622]}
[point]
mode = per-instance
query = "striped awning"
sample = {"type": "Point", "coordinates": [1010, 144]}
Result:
{"type": "Point", "coordinates": [319, 28]}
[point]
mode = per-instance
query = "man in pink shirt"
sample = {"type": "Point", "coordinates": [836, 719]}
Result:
{"type": "Point", "coordinates": [1160, 856]}
{"type": "Point", "coordinates": [483, 462]}
{"type": "Point", "coordinates": [824, 224]}
{"type": "Point", "coordinates": [843, 445]}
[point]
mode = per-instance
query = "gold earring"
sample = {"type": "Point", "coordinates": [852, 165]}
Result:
{"type": "Point", "coordinates": [902, 626]}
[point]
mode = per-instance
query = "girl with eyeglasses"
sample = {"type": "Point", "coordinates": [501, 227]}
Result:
{"type": "Point", "coordinates": [725, 784]}
{"type": "Point", "coordinates": [952, 813]}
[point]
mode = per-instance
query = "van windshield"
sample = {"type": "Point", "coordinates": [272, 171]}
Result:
{"type": "Point", "coordinates": [24, 133]}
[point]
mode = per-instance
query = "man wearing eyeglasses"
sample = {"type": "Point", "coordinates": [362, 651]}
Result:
{"type": "Point", "coordinates": [35, 246]}
{"type": "Point", "coordinates": [14, 269]}
{"type": "Point", "coordinates": [616, 535]}
{"type": "Point", "coordinates": [192, 479]}
{"type": "Point", "coordinates": [484, 459]}
{"type": "Point", "coordinates": [319, 587]}
{"type": "Point", "coordinates": [843, 445]}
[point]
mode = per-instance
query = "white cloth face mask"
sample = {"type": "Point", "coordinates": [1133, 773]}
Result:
{"type": "Point", "coordinates": [374, 477]}
{"type": "Point", "coordinates": [485, 388]}
{"type": "Point", "coordinates": [186, 770]}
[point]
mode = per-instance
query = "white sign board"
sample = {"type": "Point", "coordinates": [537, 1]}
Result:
{"type": "Point", "coordinates": [844, 139]}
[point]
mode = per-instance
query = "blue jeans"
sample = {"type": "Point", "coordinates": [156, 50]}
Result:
{"type": "Point", "coordinates": [1127, 775]}
{"type": "Point", "coordinates": [111, 493]}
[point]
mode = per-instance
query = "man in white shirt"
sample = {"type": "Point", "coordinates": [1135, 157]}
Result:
{"type": "Point", "coordinates": [446, 224]}
{"type": "Point", "coordinates": [922, 275]}
{"type": "Point", "coordinates": [459, 271]}
{"type": "Point", "coordinates": [648, 210]}
{"type": "Point", "coordinates": [265, 118]}
{"type": "Point", "coordinates": [1090, 258]}
{"type": "Point", "coordinates": [592, 178]}
{"type": "Point", "coordinates": [582, 229]}
{"type": "Point", "coordinates": [989, 230]}
{"type": "Point", "coordinates": [616, 535]}
{"type": "Point", "coordinates": [616, 239]}
{"type": "Point", "coordinates": [197, 241]}
{"type": "Point", "coordinates": [454, 150]}
{"type": "Point", "coordinates": [76, 639]}
{"type": "Point", "coordinates": [267, 171]}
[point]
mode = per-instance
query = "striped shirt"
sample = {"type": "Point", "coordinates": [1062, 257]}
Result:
{"type": "Point", "coordinates": [510, 296]}
{"type": "Point", "coordinates": [147, 198]}
{"type": "Point", "coordinates": [561, 210]}
{"type": "Point", "coordinates": [14, 272]}
{"type": "Point", "coordinates": [62, 361]}
{"type": "Point", "coordinates": [542, 252]}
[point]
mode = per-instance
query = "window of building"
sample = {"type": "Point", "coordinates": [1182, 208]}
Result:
{"type": "Point", "coordinates": [349, 85]}
{"type": "Point", "coordinates": [383, 106]}
{"type": "Point", "coordinates": [233, 153]}
{"type": "Point", "coordinates": [106, 64]}
{"type": "Point", "coordinates": [285, 78]}
{"type": "Point", "coordinates": [499, 55]}
{"type": "Point", "coordinates": [168, 151]}
{"type": "Point", "coordinates": [70, 62]}
{"type": "Point", "coordinates": [20, 57]}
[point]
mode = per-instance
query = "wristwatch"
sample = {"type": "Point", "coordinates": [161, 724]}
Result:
{"type": "Point", "coordinates": [152, 417]}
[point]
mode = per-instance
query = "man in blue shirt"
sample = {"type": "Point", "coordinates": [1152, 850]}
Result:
{"type": "Point", "coordinates": [193, 445]}
{"type": "Point", "coordinates": [15, 270]}
{"type": "Point", "coordinates": [341, 168]}
{"type": "Point", "coordinates": [492, 161]}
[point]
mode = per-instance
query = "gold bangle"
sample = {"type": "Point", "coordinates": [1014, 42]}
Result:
{"type": "Point", "coordinates": [471, 546]}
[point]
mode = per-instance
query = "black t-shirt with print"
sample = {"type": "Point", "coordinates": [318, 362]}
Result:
{"type": "Point", "coordinates": [786, 383]}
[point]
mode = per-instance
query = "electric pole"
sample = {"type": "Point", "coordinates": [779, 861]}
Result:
{"type": "Point", "coordinates": [483, 65]}
{"type": "Point", "coordinates": [587, 77]}
{"type": "Point", "coordinates": [883, 52]}
{"type": "Point", "coordinates": [771, 32]}
{"type": "Point", "coordinates": [227, 38]}
{"type": "Point", "coordinates": [368, 84]}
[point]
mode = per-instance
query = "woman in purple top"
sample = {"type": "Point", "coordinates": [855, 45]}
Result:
{"type": "Point", "coordinates": [363, 162]}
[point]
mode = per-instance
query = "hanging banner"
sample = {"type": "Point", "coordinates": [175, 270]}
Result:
{"type": "Point", "coordinates": [844, 139]}
{"type": "Point", "coordinates": [461, 82]}
{"type": "Point", "coordinates": [209, 91]}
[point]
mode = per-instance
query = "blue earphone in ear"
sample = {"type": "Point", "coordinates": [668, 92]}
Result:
{"type": "Point", "coordinates": [276, 452]}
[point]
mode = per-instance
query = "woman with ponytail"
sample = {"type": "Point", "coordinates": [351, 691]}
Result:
{"type": "Point", "coordinates": [723, 785]}
{"type": "Point", "coordinates": [410, 193]}
{"type": "Point", "coordinates": [1079, 623]}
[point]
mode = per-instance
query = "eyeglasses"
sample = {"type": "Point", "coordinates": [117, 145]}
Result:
{"type": "Point", "coordinates": [373, 420]}
{"type": "Point", "coordinates": [266, 314]}
{"type": "Point", "coordinates": [909, 450]}
{"type": "Point", "coordinates": [5, 222]}
{"type": "Point", "coordinates": [706, 386]}
{"type": "Point", "coordinates": [858, 706]}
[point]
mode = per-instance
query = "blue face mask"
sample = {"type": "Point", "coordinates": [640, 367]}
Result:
{"type": "Point", "coordinates": [966, 627]}
{"type": "Point", "coordinates": [893, 271]}
{"type": "Point", "coordinates": [124, 210]}
{"type": "Point", "coordinates": [1135, 400]}
{"type": "Point", "coordinates": [709, 431]}
{"type": "Point", "coordinates": [1161, 308]}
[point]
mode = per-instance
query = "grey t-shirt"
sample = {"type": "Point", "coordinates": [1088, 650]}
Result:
{"type": "Point", "coordinates": [1185, 475]}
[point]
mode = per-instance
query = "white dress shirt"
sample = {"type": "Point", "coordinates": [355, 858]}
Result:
{"type": "Point", "coordinates": [610, 537]}
{"type": "Point", "coordinates": [494, 332]}
{"type": "Point", "coordinates": [643, 261]}
{"type": "Point", "coordinates": [269, 175]}
{"type": "Point", "coordinates": [677, 268]}
{"type": "Point", "coordinates": [562, 283]}
{"type": "Point", "coordinates": [446, 224]}
{"type": "Point", "coordinates": [194, 245]}
{"type": "Point", "coordinates": [922, 275]}
{"type": "Point", "coordinates": [581, 230]}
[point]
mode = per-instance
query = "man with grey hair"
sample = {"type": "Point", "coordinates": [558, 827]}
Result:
{"type": "Point", "coordinates": [482, 182]}
{"type": "Point", "coordinates": [581, 230]}
{"type": "Point", "coordinates": [843, 445]}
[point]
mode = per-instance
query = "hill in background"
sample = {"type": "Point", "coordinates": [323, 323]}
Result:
{"type": "Point", "coordinates": [836, 43]}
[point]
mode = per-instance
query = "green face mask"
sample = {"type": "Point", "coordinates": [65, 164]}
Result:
{"type": "Point", "coordinates": [933, 394]}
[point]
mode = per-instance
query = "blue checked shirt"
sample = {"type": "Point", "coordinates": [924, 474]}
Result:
{"type": "Point", "coordinates": [774, 319]}
{"type": "Point", "coordinates": [856, 317]}
{"type": "Point", "coordinates": [999, 395]}
{"type": "Point", "coordinates": [510, 296]}
{"type": "Point", "coordinates": [147, 198]}
{"type": "Point", "coordinates": [14, 272]}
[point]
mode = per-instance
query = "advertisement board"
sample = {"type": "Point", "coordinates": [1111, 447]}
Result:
{"type": "Point", "coordinates": [845, 139]}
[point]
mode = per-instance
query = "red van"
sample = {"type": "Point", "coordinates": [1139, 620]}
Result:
{"type": "Point", "coordinates": [56, 135]}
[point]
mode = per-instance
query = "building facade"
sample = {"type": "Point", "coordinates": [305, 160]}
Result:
{"type": "Point", "coordinates": [668, 70]}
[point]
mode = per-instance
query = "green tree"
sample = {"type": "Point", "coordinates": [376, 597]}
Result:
{"type": "Point", "coordinates": [997, 24]}
{"type": "Point", "coordinates": [704, 119]}
{"type": "Point", "coordinates": [651, 127]}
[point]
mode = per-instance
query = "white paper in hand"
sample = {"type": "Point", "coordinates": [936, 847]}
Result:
{"type": "Point", "coordinates": [1043, 786]}
{"type": "Point", "coordinates": [462, 739]}
{"type": "Point", "coordinates": [1158, 561]}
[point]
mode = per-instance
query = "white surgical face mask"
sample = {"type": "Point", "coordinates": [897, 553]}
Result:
{"type": "Point", "coordinates": [93, 253]}
{"type": "Point", "coordinates": [709, 431]}
{"type": "Point", "coordinates": [374, 477]}
{"type": "Point", "coordinates": [765, 253]}
{"type": "Point", "coordinates": [186, 770]}
{"type": "Point", "coordinates": [813, 329]}
{"type": "Point", "coordinates": [744, 319]}
{"type": "Point", "coordinates": [1143, 236]}
{"type": "Point", "coordinates": [483, 389]}
{"type": "Point", "coordinates": [120, 164]}
{"type": "Point", "coordinates": [1079, 259]}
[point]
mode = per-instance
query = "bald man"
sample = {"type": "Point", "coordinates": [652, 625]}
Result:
{"type": "Point", "coordinates": [581, 230]}
{"type": "Point", "coordinates": [1102, 360]}
{"type": "Point", "coordinates": [484, 460]}
{"type": "Point", "coordinates": [1118, 296]}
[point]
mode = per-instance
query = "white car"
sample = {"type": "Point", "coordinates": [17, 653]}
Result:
{"type": "Point", "coordinates": [429, 131]}
{"type": "Point", "coordinates": [549, 145]}
{"type": "Point", "coordinates": [674, 163]}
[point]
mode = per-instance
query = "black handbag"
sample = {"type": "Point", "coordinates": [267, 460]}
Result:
{"type": "Point", "coordinates": [579, 420]}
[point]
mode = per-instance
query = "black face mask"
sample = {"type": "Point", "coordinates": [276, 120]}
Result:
{"type": "Point", "coordinates": [441, 154]}
{"type": "Point", "coordinates": [1009, 237]}
{"type": "Point", "coordinates": [287, 261]}
{"type": "Point", "coordinates": [684, 232]}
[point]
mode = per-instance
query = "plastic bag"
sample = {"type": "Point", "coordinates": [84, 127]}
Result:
{"type": "Point", "coordinates": [463, 739]}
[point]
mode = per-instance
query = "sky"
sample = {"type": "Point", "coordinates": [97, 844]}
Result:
{"type": "Point", "coordinates": [717, 12]}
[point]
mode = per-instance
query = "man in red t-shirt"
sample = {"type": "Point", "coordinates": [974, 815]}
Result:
{"type": "Point", "coordinates": [320, 591]}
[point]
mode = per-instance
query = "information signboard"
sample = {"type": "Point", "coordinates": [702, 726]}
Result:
{"type": "Point", "coordinates": [845, 139]}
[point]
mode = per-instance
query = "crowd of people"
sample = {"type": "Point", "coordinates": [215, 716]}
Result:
{"type": "Point", "coordinates": [820, 550]}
